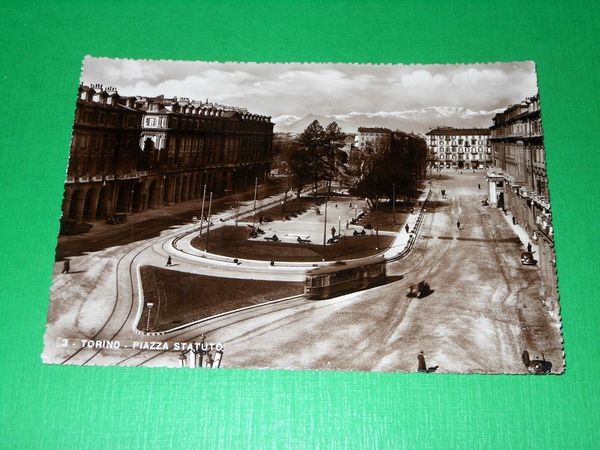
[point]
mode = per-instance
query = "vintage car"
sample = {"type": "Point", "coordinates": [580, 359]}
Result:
{"type": "Point", "coordinates": [116, 219]}
{"type": "Point", "coordinates": [527, 259]}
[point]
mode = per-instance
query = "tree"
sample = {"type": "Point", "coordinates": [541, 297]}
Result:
{"type": "Point", "coordinates": [312, 145]}
{"type": "Point", "coordinates": [333, 141]}
{"type": "Point", "coordinates": [301, 169]}
{"type": "Point", "coordinates": [375, 174]}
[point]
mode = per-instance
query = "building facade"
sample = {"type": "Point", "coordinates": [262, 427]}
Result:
{"type": "Point", "coordinates": [518, 183]}
{"type": "Point", "coordinates": [129, 154]}
{"type": "Point", "coordinates": [460, 148]}
{"type": "Point", "coordinates": [371, 138]}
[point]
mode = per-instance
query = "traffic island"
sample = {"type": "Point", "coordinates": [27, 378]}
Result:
{"type": "Point", "coordinates": [233, 242]}
{"type": "Point", "coordinates": [178, 298]}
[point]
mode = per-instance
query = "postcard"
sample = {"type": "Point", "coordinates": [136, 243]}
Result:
{"type": "Point", "coordinates": [306, 216]}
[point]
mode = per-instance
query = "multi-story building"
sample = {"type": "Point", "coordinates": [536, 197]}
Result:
{"type": "Point", "coordinates": [519, 183]}
{"type": "Point", "coordinates": [129, 154]}
{"type": "Point", "coordinates": [459, 148]}
{"type": "Point", "coordinates": [373, 138]}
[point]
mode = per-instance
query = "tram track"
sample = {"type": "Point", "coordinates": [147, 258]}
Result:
{"type": "Point", "coordinates": [297, 300]}
{"type": "Point", "coordinates": [97, 336]}
{"type": "Point", "coordinates": [204, 333]}
{"type": "Point", "coordinates": [119, 295]}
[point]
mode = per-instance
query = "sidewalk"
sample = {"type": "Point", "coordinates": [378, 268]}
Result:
{"type": "Point", "coordinates": [522, 234]}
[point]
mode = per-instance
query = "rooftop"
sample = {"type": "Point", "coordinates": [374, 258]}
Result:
{"type": "Point", "coordinates": [450, 131]}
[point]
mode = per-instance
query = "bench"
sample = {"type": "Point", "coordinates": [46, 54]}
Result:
{"type": "Point", "coordinates": [303, 241]}
{"type": "Point", "coordinates": [272, 238]}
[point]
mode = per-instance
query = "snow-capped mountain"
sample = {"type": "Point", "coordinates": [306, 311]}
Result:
{"type": "Point", "coordinates": [415, 120]}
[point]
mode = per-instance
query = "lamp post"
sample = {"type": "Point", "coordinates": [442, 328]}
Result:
{"type": "Point", "coordinates": [394, 203]}
{"type": "Point", "coordinates": [325, 228]}
{"type": "Point", "coordinates": [377, 224]}
{"type": "Point", "coordinates": [255, 191]}
{"type": "Point", "coordinates": [202, 211]}
{"type": "Point", "coordinates": [208, 221]}
{"type": "Point", "coordinates": [149, 305]}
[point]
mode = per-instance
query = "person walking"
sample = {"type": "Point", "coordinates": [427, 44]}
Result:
{"type": "Point", "coordinates": [66, 266]}
{"type": "Point", "coordinates": [529, 247]}
{"type": "Point", "coordinates": [421, 365]}
{"type": "Point", "coordinates": [478, 186]}
{"type": "Point", "coordinates": [458, 224]}
{"type": "Point", "coordinates": [406, 227]}
{"type": "Point", "coordinates": [169, 261]}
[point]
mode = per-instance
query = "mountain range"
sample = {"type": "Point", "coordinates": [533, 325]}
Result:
{"type": "Point", "coordinates": [415, 120]}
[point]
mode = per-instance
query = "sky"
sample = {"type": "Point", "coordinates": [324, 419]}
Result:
{"type": "Point", "coordinates": [416, 96]}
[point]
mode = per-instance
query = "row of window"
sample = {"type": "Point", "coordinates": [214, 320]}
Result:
{"type": "Point", "coordinates": [464, 150]}
{"type": "Point", "coordinates": [466, 157]}
{"type": "Point", "coordinates": [104, 118]}
{"type": "Point", "coordinates": [459, 139]}
{"type": "Point", "coordinates": [151, 121]}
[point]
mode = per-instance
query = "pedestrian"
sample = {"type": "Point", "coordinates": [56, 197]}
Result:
{"type": "Point", "coordinates": [529, 247]}
{"type": "Point", "coordinates": [422, 366]}
{"type": "Point", "coordinates": [514, 220]}
{"type": "Point", "coordinates": [478, 186]}
{"type": "Point", "coordinates": [333, 230]}
{"type": "Point", "coordinates": [66, 266]}
{"type": "Point", "coordinates": [407, 228]}
{"type": "Point", "coordinates": [458, 224]}
{"type": "Point", "coordinates": [169, 261]}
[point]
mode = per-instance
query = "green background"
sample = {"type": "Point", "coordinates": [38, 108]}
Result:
{"type": "Point", "coordinates": [85, 407]}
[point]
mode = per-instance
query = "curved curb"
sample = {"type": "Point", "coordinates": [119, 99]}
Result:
{"type": "Point", "coordinates": [224, 314]}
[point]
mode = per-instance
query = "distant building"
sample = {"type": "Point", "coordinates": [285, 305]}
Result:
{"type": "Point", "coordinates": [460, 148]}
{"type": "Point", "coordinates": [519, 183]}
{"type": "Point", "coordinates": [130, 154]}
{"type": "Point", "coordinates": [371, 138]}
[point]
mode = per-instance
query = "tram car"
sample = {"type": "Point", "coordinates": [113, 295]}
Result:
{"type": "Point", "coordinates": [344, 277]}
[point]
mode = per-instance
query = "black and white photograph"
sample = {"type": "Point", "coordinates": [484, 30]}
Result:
{"type": "Point", "coordinates": [355, 217]}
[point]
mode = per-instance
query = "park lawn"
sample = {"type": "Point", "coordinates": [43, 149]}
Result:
{"type": "Point", "coordinates": [179, 297]}
{"type": "Point", "coordinates": [386, 217]}
{"type": "Point", "coordinates": [292, 206]}
{"type": "Point", "coordinates": [232, 242]}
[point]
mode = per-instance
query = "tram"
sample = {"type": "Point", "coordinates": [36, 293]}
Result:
{"type": "Point", "coordinates": [343, 277]}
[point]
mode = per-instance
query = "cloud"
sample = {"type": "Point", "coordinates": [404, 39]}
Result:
{"type": "Point", "coordinates": [432, 92]}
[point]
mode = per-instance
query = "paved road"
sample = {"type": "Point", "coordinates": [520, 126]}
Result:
{"type": "Point", "coordinates": [484, 311]}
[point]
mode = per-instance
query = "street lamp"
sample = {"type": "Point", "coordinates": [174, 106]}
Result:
{"type": "Point", "coordinates": [394, 202]}
{"type": "Point", "coordinates": [149, 305]}
{"type": "Point", "coordinates": [208, 221]}
{"type": "Point", "coordinates": [202, 211]}
{"type": "Point", "coordinates": [254, 210]}
{"type": "Point", "coordinates": [325, 228]}
{"type": "Point", "coordinates": [377, 224]}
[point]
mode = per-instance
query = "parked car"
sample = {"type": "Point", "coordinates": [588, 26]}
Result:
{"type": "Point", "coordinates": [116, 219]}
{"type": "Point", "coordinates": [527, 259]}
